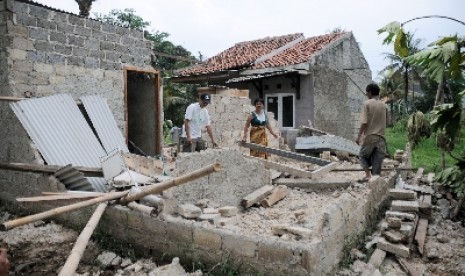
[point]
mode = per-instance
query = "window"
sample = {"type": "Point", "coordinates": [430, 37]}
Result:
{"type": "Point", "coordinates": [282, 105]}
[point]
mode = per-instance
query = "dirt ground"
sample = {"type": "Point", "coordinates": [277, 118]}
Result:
{"type": "Point", "coordinates": [42, 248]}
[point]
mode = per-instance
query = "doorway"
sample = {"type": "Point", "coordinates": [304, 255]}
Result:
{"type": "Point", "coordinates": [282, 105]}
{"type": "Point", "coordinates": [144, 112]}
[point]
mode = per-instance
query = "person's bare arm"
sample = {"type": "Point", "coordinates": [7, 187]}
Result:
{"type": "Point", "coordinates": [360, 133]}
{"type": "Point", "coordinates": [187, 130]}
{"type": "Point", "coordinates": [246, 127]}
{"type": "Point", "coordinates": [210, 133]}
{"type": "Point", "coordinates": [268, 126]}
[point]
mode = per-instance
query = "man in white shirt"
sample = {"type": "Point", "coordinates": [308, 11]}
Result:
{"type": "Point", "coordinates": [196, 118]}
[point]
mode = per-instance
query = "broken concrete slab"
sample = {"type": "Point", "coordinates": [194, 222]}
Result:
{"type": "Point", "coordinates": [228, 211]}
{"type": "Point", "coordinates": [394, 236]}
{"type": "Point", "coordinates": [421, 189]}
{"type": "Point", "coordinates": [324, 170]}
{"type": "Point", "coordinates": [401, 215]}
{"type": "Point", "coordinates": [420, 235]}
{"type": "Point", "coordinates": [404, 206]}
{"type": "Point", "coordinates": [314, 184]}
{"type": "Point", "coordinates": [377, 258]}
{"type": "Point", "coordinates": [189, 211]}
{"type": "Point", "coordinates": [402, 194]}
{"type": "Point", "coordinates": [397, 249]}
{"type": "Point", "coordinates": [327, 142]}
{"type": "Point", "coordinates": [280, 230]}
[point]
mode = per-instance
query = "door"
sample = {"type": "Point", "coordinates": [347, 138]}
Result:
{"type": "Point", "coordinates": [282, 106]}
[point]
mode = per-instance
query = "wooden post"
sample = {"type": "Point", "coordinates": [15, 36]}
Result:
{"type": "Point", "coordinates": [158, 188]}
{"type": "Point", "coordinates": [78, 249]}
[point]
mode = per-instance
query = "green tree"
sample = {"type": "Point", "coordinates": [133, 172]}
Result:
{"type": "Point", "coordinates": [401, 67]}
{"type": "Point", "coordinates": [84, 7]}
{"type": "Point", "coordinates": [442, 61]}
{"type": "Point", "coordinates": [391, 87]}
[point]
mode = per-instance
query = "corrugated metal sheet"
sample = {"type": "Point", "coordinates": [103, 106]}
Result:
{"type": "Point", "coordinates": [73, 179]}
{"type": "Point", "coordinates": [104, 123]}
{"type": "Point", "coordinates": [61, 133]}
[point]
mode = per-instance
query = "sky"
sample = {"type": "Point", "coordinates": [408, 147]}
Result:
{"type": "Point", "coordinates": [211, 26]}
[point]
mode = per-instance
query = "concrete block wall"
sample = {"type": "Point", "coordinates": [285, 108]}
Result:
{"type": "Point", "coordinates": [54, 52]}
{"type": "Point", "coordinates": [44, 52]}
{"type": "Point", "coordinates": [341, 74]}
{"type": "Point", "coordinates": [238, 177]}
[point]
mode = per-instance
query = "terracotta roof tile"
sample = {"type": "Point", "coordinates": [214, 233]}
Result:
{"type": "Point", "coordinates": [241, 55]}
{"type": "Point", "coordinates": [300, 53]}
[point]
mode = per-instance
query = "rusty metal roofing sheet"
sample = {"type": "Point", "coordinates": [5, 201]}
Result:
{"type": "Point", "coordinates": [61, 133]}
{"type": "Point", "coordinates": [104, 123]}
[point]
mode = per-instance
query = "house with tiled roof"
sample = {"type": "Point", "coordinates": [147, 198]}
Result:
{"type": "Point", "coordinates": [319, 80]}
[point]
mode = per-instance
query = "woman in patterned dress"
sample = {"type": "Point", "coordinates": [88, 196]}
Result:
{"type": "Point", "coordinates": [259, 122]}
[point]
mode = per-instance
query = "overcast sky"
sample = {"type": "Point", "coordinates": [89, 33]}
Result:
{"type": "Point", "coordinates": [211, 26]}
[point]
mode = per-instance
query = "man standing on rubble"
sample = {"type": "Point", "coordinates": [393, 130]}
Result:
{"type": "Point", "coordinates": [373, 127]}
{"type": "Point", "coordinates": [196, 118]}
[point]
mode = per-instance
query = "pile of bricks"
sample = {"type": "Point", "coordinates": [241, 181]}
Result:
{"type": "Point", "coordinates": [405, 225]}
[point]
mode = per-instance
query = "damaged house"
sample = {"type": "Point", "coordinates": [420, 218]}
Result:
{"type": "Point", "coordinates": [44, 52]}
{"type": "Point", "coordinates": [87, 78]}
{"type": "Point", "coordinates": [320, 79]}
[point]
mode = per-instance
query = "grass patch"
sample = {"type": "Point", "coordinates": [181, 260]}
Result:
{"type": "Point", "coordinates": [426, 154]}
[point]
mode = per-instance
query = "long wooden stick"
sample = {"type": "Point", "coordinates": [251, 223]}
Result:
{"type": "Point", "coordinates": [81, 243]}
{"type": "Point", "coordinates": [158, 188]}
{"type": "Point", "coordinates": [56, 197]}
{"type": "Point", "coordinates": [23, 167]}
{"type": "Point", "coordinates": [60, 210]}
{"type": "Point", "coordinates": [155, 189]}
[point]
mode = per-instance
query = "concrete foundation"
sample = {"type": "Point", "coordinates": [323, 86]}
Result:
{"type": "Point", "coordinates": [338, 220]}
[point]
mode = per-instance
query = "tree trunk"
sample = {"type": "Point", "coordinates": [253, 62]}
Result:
{"type": "Point", "coordinates": [406, 87]}
{"type": "Point", "coordinates": [392, 112]}
{"type": "Point", "coordinates": [439, 93]}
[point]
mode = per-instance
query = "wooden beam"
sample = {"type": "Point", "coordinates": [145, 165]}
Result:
{"type": "Point", "coordinates": [256, 196]}
{"type": "Point", "coordinates": [39, 168]}
{"type": "Point", "coordinates": [276, 195]}
{"type": "Point", "coordinates": [56, 197]}
{"type": "Point", "coordinates": [283, 168]}
{"type": "Point", "coordinates": [324, 170]}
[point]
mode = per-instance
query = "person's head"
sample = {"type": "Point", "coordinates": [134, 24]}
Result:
{"type": "Point", "coordinates": [204, 100]}
{"type": "Point", "coordinates": [372, 90]}
{"type": "Point", "coordinates": [259, 103]}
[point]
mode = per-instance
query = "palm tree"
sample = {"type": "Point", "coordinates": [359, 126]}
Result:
{"type": "Point", "coordinates": [84, 7]}
{"type": "Point", "coordinates": [400, 65]}
{"type": "Point", "coordinates": [391, 87]}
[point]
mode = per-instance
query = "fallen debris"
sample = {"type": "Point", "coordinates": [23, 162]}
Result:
{"type": "Point", "coordinates": [256, 196]}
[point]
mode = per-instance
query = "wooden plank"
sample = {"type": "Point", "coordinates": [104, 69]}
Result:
{"type": "Point", "coordinates": [420, 234]}
{"type": "Point", "coordinates": [256, 196]}
{"type": "Point", "coordinates": [39, 168]}
{"type": "Point", "coordinates": [283, 168]}
{"type": "Point", "coordinates": [276, 195]}
{"type": "Point", "coordinates": [324, 170]}
{"type": "Point", "coordinates": [56, 197]}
